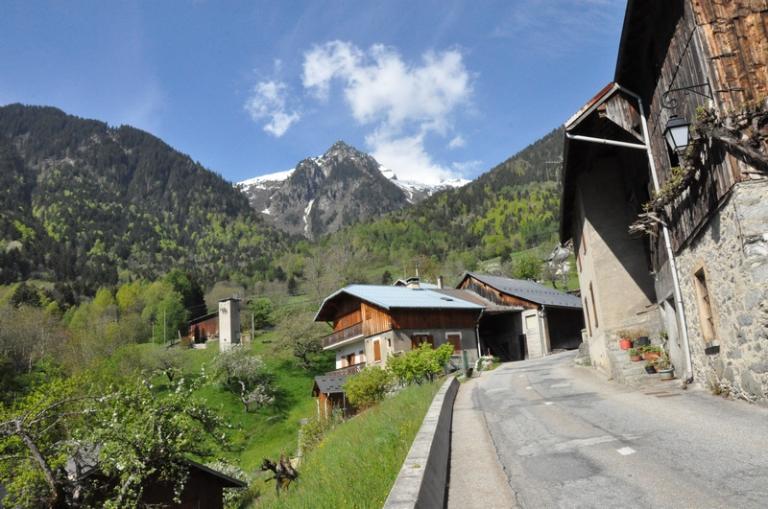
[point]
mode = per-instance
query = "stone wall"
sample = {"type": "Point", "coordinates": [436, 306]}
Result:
{"type": "Point", "coordinates": [733, 250]}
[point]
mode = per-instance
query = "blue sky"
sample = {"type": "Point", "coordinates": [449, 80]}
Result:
{"type": "Point", "coordinates": [434, 89]}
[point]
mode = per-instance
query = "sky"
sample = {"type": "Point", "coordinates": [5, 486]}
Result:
{"type": "Point", "coordinates": [433, 89]}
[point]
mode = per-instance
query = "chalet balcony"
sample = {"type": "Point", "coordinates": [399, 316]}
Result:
{"type": "Point", "coordinates": [347, 370]}
{"type": "Point", "coordinates": [342, 335]}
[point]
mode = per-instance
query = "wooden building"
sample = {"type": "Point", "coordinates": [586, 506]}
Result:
{"type": "Point", "coordinates": [371, 323]}
{"type": "Point", "coordinates": [204, 327]}
{"type": "Point", "coordinates": [523, 319]}
{"type": "Point", "coordinates": [204, 488]}
{"type": "Point", "coordinates": [699, 277]}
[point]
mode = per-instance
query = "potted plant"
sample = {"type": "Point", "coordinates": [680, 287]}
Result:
{"type": "Point", "coordinates": [664, 367]}
{"type": "Point", "coordinates": [650, 368]}
{"type": "Point", "coordinates": [634, 355]}
{"type": "Point", "coordinates": [625, 340]}
{"type": "Point", "coordinates": [651, 352]}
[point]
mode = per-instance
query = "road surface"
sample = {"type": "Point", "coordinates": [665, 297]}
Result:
{"type": "Point", "coordinates": [564, 437]}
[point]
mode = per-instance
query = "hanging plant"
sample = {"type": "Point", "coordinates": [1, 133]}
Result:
{"type": "Point", "coordinates": [743, 134]}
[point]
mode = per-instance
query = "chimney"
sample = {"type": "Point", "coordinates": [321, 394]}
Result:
{"type": "Point", "coordinates": [440, 282]}
{"type": "Point", "coordinates": [413, 282]}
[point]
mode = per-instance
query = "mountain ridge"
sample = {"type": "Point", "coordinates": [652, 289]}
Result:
{"type": "Point", "coordinates": [327, 192]}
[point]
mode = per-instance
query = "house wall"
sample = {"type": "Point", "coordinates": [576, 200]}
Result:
{"type": "Point", "coordinates": [733, 251]}
{"type": "Point", "coordinates": [610, 262]}
{"type": "Point", "coordinates": [355, 348]}
{"type": "Point", "coordinates": [397, 341]}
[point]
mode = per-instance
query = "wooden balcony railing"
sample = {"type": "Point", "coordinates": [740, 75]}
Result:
{"type": "Point", "coordinates": [347, 370]}
{"type": "Point", "coordinates": [343, 335]}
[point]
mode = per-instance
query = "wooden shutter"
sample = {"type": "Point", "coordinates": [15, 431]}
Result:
{"type": "Point", "coordinates": [376, 350]}
{"type": "Point", "coordinates": [455, 340]}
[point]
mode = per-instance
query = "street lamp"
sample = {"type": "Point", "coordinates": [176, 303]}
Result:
{"type": "Point", "coordinates": [677, 133]}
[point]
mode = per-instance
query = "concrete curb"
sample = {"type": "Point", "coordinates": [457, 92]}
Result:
{"type": "Point", "coordinates": [423, 478]}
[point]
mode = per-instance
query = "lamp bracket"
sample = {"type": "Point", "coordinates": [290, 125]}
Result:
{"type": "Point", "coordinates": [703, 89]}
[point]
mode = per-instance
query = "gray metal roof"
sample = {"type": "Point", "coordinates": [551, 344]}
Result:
{"type": "Point", "coordinates": [490, 306]}
{"type": "Point", "coordinates": [400, 297]}
{"type": "Point", "coordinates": [330, 384]}
{"type": "Point", "coordinates": [529, 290]}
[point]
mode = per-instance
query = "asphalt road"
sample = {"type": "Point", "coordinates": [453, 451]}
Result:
{"type": "Point", "coordinates": [567, 438]}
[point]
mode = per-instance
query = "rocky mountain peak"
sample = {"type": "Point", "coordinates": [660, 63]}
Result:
{"type": "Point", "coordinates": [324, 193]}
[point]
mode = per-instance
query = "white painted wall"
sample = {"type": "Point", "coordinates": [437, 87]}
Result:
{"type": "Point", "coordinates": [229, 324]}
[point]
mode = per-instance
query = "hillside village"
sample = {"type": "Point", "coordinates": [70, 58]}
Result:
{"type": "Point", "coordinates": [334, 336]}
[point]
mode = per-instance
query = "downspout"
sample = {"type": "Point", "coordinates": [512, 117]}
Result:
{"type": "Point", "coordinates": [477, 334]}
{"type": "Point", "coordinates": [679, 309]}
{"type": "Point", "coordinates": [667, 242]}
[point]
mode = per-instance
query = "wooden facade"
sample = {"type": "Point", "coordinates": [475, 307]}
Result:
{"type": "Point", "coordinates": [718, 47]}
{"type": "Point", "coordinates": [495, 295]}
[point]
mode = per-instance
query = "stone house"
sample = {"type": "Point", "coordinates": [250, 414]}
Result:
{"type": "Point", "coordinates": [695, 271]}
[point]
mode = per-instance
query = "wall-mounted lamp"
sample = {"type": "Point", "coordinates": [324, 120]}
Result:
{"type": "Point", "coordinates": [677, 133]}
{"type": "Point", "coordinates": [669, 101]}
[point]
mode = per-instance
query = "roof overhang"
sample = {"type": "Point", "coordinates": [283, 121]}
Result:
{"type": "Point", "coordinates": [612, 116]}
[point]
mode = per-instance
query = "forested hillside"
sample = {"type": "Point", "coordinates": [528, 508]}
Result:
{"type": "Point", "coordinates": [511, 208]}
{"type": "Point", "coordinates": [88, 204]}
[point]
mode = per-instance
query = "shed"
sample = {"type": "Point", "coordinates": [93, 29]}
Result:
{"type": "Point", "coordinates": [527, 319]}
{"type": "Point", "coordinates": [329, 391]}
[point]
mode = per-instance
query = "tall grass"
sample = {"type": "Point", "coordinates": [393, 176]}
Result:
{"type": "Point", "coordinates": [357, 463]}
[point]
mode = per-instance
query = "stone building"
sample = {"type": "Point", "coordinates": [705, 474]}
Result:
{"type": "Point", "coordinates": [694, 273]}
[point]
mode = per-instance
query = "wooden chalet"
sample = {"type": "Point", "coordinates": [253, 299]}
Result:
{"type": "Point", "coordinates": [524, 319]}
{"type": "Point", "coordinates": [697, 277]}
{"type": "Point", "coordinates": [371, 323]}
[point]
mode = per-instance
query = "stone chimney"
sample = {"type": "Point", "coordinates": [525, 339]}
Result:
{"type": "Point", "coordinates": [440, 282]}
{"type": "Point", "coordinates": [413, 282]}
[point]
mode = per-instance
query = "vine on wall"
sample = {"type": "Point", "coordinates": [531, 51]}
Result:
{"type": "Point", "coordinates": [744, 134]}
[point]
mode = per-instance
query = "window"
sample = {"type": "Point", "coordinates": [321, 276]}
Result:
{"type": "Point", "coordinates": [454, 338]}
{"type": "Point", "coordinates": [376, 350]}
{"type": "Point", "coordinates": [594, 307]}
{"type": "Point", "coordinates": [417, 339]}
{"type": "Point", "coordinates": [705, 306]}
{"type": "Point", "coordinates": [350, 359]}
{"type": "Point", "coordinates": [586, 314]}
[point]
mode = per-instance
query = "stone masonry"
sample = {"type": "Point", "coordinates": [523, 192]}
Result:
{"type": "Point", "coordinates": [733, 250]}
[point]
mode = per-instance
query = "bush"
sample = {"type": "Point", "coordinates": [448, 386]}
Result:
{"type": "Point", "coordinates": [315, 429]}
{"type": "Point", "coordinates": [368, 387]}
{"type": "Point", "coordinates": [245, 375]}
{"type": "Point", "coordinates": [420, 364]}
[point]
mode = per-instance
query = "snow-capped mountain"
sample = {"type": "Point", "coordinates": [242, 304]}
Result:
{"type": "Point", "coordinates": [327, 192]}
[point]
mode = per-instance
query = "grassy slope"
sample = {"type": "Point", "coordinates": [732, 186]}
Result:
{"type": "Point", "coordinates": [357, 462]}
{"type": "Point", "coordinates": [265, 433]}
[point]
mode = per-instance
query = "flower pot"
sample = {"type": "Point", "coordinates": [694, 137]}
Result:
{"type": "Point", "coordinates": [650, 356]}
{"type": "Point", "coordinates": [667, 374]}
{"type": "Point", "coordinates": [650, 370]}
{"type": "Point", "coordinates": [625, 344]}
{"type": "Point", "coordinates": [635, 358]}
{"type": "Point", "coordinates": [642, 341]}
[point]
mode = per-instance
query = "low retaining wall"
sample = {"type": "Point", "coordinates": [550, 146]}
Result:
{"type": "Point", "coordinates": [423, 478]}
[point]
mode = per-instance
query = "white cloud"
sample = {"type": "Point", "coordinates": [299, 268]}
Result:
{"type": "Point", "coordinates": [470, 167]}
{"type": "Point", "coordinates": [268, 102]}
{"type": "Point", "coordinates": [457, 142]}
{"type": "Point", "coordinates": [408, 158]}
{"type": "Point", "coordinates": [402, 102]}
